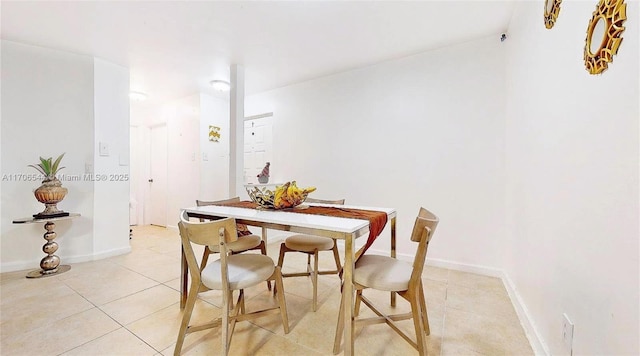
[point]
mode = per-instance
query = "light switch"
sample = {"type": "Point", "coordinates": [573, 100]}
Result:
{"type": "Point", "coordinates": [205, 156]}
{"type": "Point", "coordinates": [104, 149]}
{"type": "Point", "coordinates": [123, 159]}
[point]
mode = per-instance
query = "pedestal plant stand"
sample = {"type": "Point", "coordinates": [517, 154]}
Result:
{"type": "Point", "coordinates": [50, 264]}
{"type": "Point", "coordinates": [51, 192]}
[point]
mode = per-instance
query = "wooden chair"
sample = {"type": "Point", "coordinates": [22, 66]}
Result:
{"type": "Point", "coordinates": [229, 273]}
{"type": "Point", "coordinates": [389, 274]}
{"type": "Point", "coordinates": [246, 240]}
{"type": "Point", "coordinates": [311, 245]}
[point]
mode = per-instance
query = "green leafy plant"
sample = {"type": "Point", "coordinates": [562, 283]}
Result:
{"type": "Point", "coordinates": [48, 167]}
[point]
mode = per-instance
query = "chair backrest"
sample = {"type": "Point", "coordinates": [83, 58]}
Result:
{"type": "Point", "coordinates": [209, 233]}
{"type": "Point", "coordinates": [423, 229]}
{"type": "Point", "coordinates": [324, 201]}
{"type": "Point", "coordinates": [425, 218]}
{"type": "Point", "coordinates": [216, 202]}
{"type": "Point", "coordinates": [242, 229]}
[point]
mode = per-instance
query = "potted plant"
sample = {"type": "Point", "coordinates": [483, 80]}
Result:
{"type": "Point", "coordinates": [263, 177]}
{"type": "Point", "coordinates": [51, 192]}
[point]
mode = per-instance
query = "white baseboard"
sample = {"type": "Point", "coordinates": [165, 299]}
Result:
{"type": "Point", "coordinates": [530, 329]}
{"type": "Point", "coordinates": [19, 266]}
{"type": "Point", "coordinates": [539, 348]}
{"type": "Point", "coordinates": [98, 256]}
{"type": "Point", "coordinates": [464, 267]}
{"type": "Point", "coordinates": [24, 265]}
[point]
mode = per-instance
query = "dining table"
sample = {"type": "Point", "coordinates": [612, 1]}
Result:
{"type": "Point", "coordinates": [297, 221]}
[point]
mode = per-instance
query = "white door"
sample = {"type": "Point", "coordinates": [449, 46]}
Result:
{"type": "Point", "coordinates": [257, 147]}
{"type": "Point", "coordinates": [158, 177]}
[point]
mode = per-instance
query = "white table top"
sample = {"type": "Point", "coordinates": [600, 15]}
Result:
{"type": "Point", "coordinates": [292, 218]}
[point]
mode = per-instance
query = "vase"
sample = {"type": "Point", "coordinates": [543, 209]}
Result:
{"type": "Point", "coordinates": [50, 193]}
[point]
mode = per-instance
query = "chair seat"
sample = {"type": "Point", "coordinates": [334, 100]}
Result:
{"type": "Point", "coordinates": [244, 271]}
{"type": "Point", "coordinates": [308, 243]}
{"type": "Point", "coordinates": [382, 273]}
{"type": "Point", "coordinates": [243, 243]}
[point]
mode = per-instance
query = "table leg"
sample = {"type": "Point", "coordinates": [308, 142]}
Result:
{"type": "Point", "coordinates": [264, 237]}
{"type": "Point", "coordinates": [184, 270]}
{"type": "Point", "coordinates": [349, 326]}
{"type": "Point", "coordinates": [393, 253]}
{"type": "Point", "coordinates": [50, 264]}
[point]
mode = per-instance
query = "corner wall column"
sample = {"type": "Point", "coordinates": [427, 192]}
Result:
{"type": "Point", "coordinates": [236, 131]}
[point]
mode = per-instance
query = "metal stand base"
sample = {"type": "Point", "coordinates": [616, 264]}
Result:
{"type": "Point", "coordinates": [38, 273]}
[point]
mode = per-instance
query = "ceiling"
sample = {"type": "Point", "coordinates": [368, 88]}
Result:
{"type": "Point", "coordinates": [175, 48]}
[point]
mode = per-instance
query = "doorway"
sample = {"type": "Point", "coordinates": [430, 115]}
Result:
{"type": "Point", "coordinates": [157, 206]}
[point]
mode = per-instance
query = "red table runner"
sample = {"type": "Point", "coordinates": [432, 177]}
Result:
{"type": "Point", "coordinates": [377, 220]}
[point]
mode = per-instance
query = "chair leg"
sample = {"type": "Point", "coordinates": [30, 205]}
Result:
{"type": "Point", "coordinates": [281, 299]}
{"type": "Point", "coordinates": [241, 300]}
{"type": "Point", "coordinates": [358, 301]}
{"type": "Point", "coordinates": [205, 258]}
{"type": "Point", "coordinates": [336, 256]}
{"type": "Point", "coordinates": [263, 250]}
{"type": "Point", "coordinates": [314, 279]}
{"type": "Point", "coordinates": [425, 315]}
{"type": "Point", "coordinates": [230, 303]}
{"type": "Point", "coordinates": [186, 317]}
{"type": "Point", "coordinates": [339, 327]}
{"type": "Point", "coordinates": [234, 312]}
{"type": "Point", "coordinates": [417, 323]}
{"type": "Point", "coordinates": [227, 299]}
{"type": "Point", "coordinates": [280, 262]}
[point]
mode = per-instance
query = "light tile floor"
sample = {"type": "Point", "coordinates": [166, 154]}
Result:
{"type": "Point", "coordinates": [129, 305]}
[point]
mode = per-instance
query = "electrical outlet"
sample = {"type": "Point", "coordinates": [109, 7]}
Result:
{"type": "Point", "coordinates": [567, 334]}
{"type": "Point", "coordinates": [104, 149]}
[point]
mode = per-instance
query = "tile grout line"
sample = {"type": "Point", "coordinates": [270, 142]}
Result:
{"type": "Point", "coordinates": [109, 316]}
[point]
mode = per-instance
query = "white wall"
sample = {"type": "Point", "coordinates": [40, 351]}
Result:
{"type": "Point", "coordinates": [111, 196]}
{"type": "Point", "coordinates": [214, 169]}
{"type": "Point", "coordinates": [183, 159]}
{"type": "Point", "coordinates": [572, 197]}
{"type": "Point", "coordinates": [426, 130]}
{"type": "Point", "coordinates": [50, 102]}
{"type": "Point", "coordinates": [47, 109]}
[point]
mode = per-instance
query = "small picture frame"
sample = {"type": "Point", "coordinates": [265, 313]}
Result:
{"type": "Point", "coordinates": [214, 133]}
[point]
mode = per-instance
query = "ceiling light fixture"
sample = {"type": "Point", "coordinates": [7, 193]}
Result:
{"type": "Point", "coordinates": [220, 85]}
{"type": "Point", "coordinates": [137, 96]}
